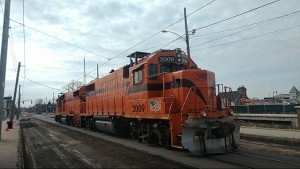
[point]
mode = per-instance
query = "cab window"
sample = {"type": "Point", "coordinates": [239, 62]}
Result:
{"type": "Point", "coordinates": [152, 71]}
{"type": "Point", "coordinates": [171, 68]}
{"type": "Point", "coordinates": [138, 76]}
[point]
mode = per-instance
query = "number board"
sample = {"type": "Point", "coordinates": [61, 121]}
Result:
{"type": "Point", "coordinates": [166, 59]}
{"type": "Point", "coordinates": [170, 59]}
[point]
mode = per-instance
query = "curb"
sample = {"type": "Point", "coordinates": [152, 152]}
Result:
{"type": "Point", "coordinates": [268, 139]}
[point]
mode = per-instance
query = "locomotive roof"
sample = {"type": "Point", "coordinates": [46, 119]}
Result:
{"type": "Point", "coordinates": [138, 54]}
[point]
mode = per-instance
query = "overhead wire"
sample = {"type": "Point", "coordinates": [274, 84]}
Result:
{"type": "Point", "coordinates": [200, 27]}
{"type": "Point", "coordinates": [252, 37]}
{"type": "Point", "coordinates": [1, 7]}
{"type": "Point", "coordinates": [237, 15]}
{"type": "Point", "coordinates": [12, 48]}
{"type": "Point", "coordinates": [24, 50]}
{"type": "Point", "coordinates": [146, 38]}
{"type": "Point", "coordinates": [257, 24]}
{"type": "Point", "coordinates": [150, 37]}
{"type": "Point", "coordinates": [69, 43]}
{"type": "Point", "coordinates": [40, 83]}
{"type": "Point", "coordinates": [163, 29]}
{"type": "Point", "coordinates": [268, 20]}
{"type": "Point", "coordinates": [247, 25]}
{"type": "Point", "coordinates": [108, 59]}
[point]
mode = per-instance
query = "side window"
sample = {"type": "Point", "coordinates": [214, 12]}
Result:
{"type": "Point", "coordinates": [152, 71]}
{"type": "Point", "coordinates": [138, 76]}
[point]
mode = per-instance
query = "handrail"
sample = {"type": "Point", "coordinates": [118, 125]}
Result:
{"type": "Point", "coordinates": [186, 99]}
{"type": "Point", "coordinates": [184, 103]}
{"type": "Point", "coordinates": [170, 108]}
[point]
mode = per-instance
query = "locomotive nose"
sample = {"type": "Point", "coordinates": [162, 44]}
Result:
{"type": "Point", "coordinates": [208, 138]}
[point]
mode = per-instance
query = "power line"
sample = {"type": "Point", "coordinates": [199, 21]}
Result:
{"type": "Point", "coordinates": [163, 29]}
{"type": "Point", "coordinates": [256, 23]}
{"type": "Point", "coordinates": [13, 54]}
{"type": "Point", "coordinates": [150, 37]}
{"type": "Point", "coordinates": [94, 52]}
{"type": "Point", "coordinates": [252, 37]}
{"type": "Point", "coordinates": [24, 51]}
{"type": "Point", "coordinates": [237, 15]}
{"type": "Point", "coordinates": [60, 39]}
{"type": "Point", "coordinates": [40, 84]}
{"type": "Point", "coordinates": [24, 40]}
{"type": "Point", "coordinates": [222, 37]}
{"type": "Point", "coordinates": [1, 7]}
{"type": "Point", "coordinates": [260, 22]}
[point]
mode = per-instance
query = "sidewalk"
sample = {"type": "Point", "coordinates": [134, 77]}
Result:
{"type": "Point", "coordinates": [9, 145]}
{"type": "Point", "coordinates": [272, 135]}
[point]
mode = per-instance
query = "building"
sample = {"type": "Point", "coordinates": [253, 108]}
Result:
{"type": "Point", "coordinates": [294, 96]}
{"type": "Point", "coordinates": [238, 97]}
{"type": "Point", "coordinates": [277, 99]}
{"type": "Point", "coordinates": [7, 104]}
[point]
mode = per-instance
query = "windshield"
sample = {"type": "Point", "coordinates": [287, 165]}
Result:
{"type": "Point", "coordinates": [171, 68]}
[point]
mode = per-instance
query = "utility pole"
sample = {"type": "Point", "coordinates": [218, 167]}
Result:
{"type": "Point", "coordinates": [186, 34]}
{"type": "Point", "coordinates": [4, 57]}
{"type": "Point", "coordinates": [12, 113]}
{"type": "Point", "coordinates": [84, 80]}
{"type": "Point", "coordinates": [19, 100]}
{"type": "Point", "coordinates": [97, 71]}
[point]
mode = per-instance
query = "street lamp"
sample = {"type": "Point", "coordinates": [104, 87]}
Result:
{"type": "Point", "coordinates": [185, 39]}
{"type": "Point", "coordinates": [273, 96]}
{"type": "Point", "coordinates": [165, 31]}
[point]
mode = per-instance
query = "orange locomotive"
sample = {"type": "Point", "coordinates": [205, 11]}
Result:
{"type": "Point", "coordinates": [160, 98]}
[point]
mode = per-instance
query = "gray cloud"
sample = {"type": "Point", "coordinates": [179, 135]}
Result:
{"type": "Point", "coordinates": [108, 28]}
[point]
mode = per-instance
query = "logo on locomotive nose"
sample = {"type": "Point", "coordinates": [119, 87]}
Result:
{"type": "Point", "coordinates": [201, 76]}
{"type": "Point", "coordinates": [155, 105]}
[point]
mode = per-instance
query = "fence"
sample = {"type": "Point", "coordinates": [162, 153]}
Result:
{"type": "Point", "coordinates": [266, 109]}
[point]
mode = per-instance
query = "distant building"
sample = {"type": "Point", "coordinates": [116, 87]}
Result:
{"type": "Point", "coordinates": [280, 98]}
{"type": "Point", "coordinates": [238, 97]}
{"type": "Point", "coordinates": [294, 96]}
{"type": "Point", "coordinates": [6, 108]}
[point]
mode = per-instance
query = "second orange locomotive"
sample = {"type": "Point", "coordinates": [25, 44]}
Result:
{"type": "Point", "coordinates": [161, 98]}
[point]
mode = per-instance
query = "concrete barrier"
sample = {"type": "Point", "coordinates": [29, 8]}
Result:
{"type": "Point", "coordinates": [293, 118]}
{"type": "Point", "coordinates": [297, 108]}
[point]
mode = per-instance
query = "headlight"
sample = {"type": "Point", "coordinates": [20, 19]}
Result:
{"type": "Point", "coordinates": [232, 112]}
{"type": "Point", "coordinates": [204, 114]}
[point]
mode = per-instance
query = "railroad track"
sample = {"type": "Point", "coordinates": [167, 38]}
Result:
{"type": "Point", "coordinates": [262, 155]}
{"type": "Point", "coordinates": [50, 146]}
{"type": "Point", "coordinates": [250, 155]}
{"type": "Point", "coordinates": [255, 161]}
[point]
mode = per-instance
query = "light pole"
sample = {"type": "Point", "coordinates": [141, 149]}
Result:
{"type": "Point", "coordinates": [165, 31]}
{"type": "Point", "coordinates": [273, 96]}
{"type": "Point", "coordinates": [186, 39]}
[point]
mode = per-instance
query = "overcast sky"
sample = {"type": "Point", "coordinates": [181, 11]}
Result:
{"type": "Point", "coordinates": [259, 49]}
